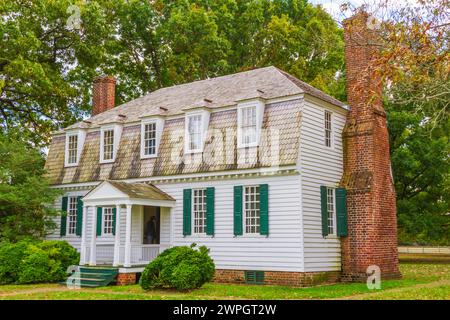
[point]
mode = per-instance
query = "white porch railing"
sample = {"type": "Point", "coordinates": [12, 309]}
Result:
{"type": "Point", "coordinates": [141, 254]}
{"type": "Point", "coordinates": [105, 253]}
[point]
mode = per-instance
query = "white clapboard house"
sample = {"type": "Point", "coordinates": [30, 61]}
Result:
{"type": "Point", "coordinates": [246, 164]}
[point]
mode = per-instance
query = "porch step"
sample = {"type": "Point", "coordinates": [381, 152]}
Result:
{"type": "Point", "coordinates": [94, 276]}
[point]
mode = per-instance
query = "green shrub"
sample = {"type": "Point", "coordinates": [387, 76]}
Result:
{"type": "Point", "coordinates": [182, 268]}
{"type": "Point", "coordinates": [35, 262]}
{"type": "Point", "coordinates": [11, 256]}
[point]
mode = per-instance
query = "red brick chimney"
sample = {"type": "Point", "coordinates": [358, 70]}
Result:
{"type": "Point", "coordinates": [103, 94]}
{"type": "Point", "coordinates": [372, 217]}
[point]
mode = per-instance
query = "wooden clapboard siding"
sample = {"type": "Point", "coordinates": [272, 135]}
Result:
{"type": "Point", "coordinates": [319, 165]}
{"type": "Point", "coordinates": [281, 251]}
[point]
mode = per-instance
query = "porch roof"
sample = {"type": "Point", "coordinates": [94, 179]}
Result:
{"type": "Point", "coordinates": [136, 193]}
{"type": "Point", "coordinates": [141, 190]}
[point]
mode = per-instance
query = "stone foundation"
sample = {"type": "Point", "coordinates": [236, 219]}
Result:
{"type": "Point", "coordinates": [124, 279]}
{"type": "Point", "coordinates": [282, 278]}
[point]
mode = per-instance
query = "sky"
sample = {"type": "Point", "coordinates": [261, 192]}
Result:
{"type": "Point", "coordinates": [333, 6]}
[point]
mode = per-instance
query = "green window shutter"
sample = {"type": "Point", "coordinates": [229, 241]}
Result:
{"type": "Point", "coordinates": [324, 210]}
{"type": "Point", "coordinates": [79, 226]}
{"type": "Point", "coordinates": [63, 225]}
{"type": "Point", "coordinates": [99, 221]}
{"type": "Point", "coordinates": [237, 210]}
{"type": "Point", "coordinates": [187, 207]}
{"type": "Point", "coordinates": [114, 220]}
{"type": "Point", "coordinates": [264, 209]}
{"type": "Point", "coordinates": [210, 211]}
{"type": "Point", "coordinates": [341, 212]}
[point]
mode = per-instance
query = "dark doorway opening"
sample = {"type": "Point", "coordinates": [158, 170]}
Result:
{"type": "Point", "coordinates": [152, 216]}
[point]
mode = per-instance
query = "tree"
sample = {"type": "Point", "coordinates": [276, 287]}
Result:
{"type": "Point", "coordinates": [420, 158]}
{"type": "Point", "coordinates": [24, 192]}
{"type": "Point", "coordinates": [413, 57]}
{"type": "Point", "coordinates": [46, 65]}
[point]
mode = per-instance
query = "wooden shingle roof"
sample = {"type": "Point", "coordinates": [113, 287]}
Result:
{"type": "Point", "coordinates": [267, 83]}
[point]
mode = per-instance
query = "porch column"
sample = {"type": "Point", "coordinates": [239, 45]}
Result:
{"type": "Point", "coordinates": [83, 237]}
{"type": "Point", "coordinates": [127, 262]}
{"type": "Point", "coordinates": [93, 253]}
{"type": "Point", "coordinates": [172, 225]}
{"type": "Point", "coordinates": [117, 238]}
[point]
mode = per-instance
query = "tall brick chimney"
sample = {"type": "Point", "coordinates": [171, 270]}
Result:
{"type": "Point", "coordinates": [103, 94]}
{"type": "Point", "coordinates": [372, 218]}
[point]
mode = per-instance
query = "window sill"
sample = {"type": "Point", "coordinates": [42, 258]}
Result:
{"type": "Point", "coordinates": [70, 165]}
{"type": "Point", "coordinates": [152, 156]}
{"type": "Point", "coordinates": [107, 236]}
{"type": "Point", "coordinates": [71, 236]}
{"type": "Point", "coordinates": [252, 235]}
{"type": "Point", "coordinates": [107, 161]}
{"type": "Point", "coordinates": [331, 236]}
{"type": "Point", "coordinates": [245, 146]}
{"type": "Point", "coordinates": [193, 152]}
{"type": "Point", "coordinates": [201, 235]}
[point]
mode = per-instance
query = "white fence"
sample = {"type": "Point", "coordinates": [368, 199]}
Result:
{"type": "Point", "coordinates": [424, 250]}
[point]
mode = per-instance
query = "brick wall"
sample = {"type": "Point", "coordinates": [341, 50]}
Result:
{"type": "Point", "coordinates": [297, 279]}
{"type": "Point", "coordinates": [372, 220]}
{"type": "Point", "coordinates": [103, 95]}
{"type": "Point", "coordinates": [124, 279]}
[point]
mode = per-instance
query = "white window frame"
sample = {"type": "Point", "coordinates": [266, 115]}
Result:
{"type": "Point", "coordinates": [104, 226]}
{"type": "Point", "coordinates": [256, 226]}
{"type": "Point", "coordinates": [326, 129]}
{"type": "Point", "coordinates": [159, 126]}
{"type": "Point", "coordinates": [202, 211]}
{"type": "Point", "coordinates": [259, 106]}
{"type": "Point", "coordinates": [117, 129]}
{"type": "Point", "coordinates": [80, 134]}
{"type": "Point", "coordinates": [331, 203]}
{"type": "Point", "coordinates": [144, 140]}
{"type": "Point", "coordinates": [204, 122]}
{"type": "Point", "coordinates": [72, 209]}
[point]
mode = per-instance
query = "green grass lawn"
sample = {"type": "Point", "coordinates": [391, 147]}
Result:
{"type": "Point", "coordinates": [420, 281]}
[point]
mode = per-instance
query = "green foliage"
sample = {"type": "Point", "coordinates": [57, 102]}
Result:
{"type": "Point", "coordinates": [182, 268]}
{"type": "Point", "coordinates": [35, 262]}
{"type": "Point", "coordinates": [40, 61]}
{"type": "Point", "coordinates": [47, 68]}
{"type": "Point", "coordinates": [11, 256]}
{"type": "Point", "coordinates": [24, 192]}
{"type": "Point", "coordinates": [421, 166]}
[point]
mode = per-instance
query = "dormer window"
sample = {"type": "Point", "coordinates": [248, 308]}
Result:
{"type": "Point", "coordinates": [74, 145]}
{"type": "Point", "coordinates": [150, 139]}
{"type": "Point", "coordinates": [72, 149]}
{"type": "Point", "coordinates": [151, 132]}
{"type": "Point", "coordinates": [248, 127]}
{"type": "Point", "coordinates": [196, 127]}
{"type": "Point", "coordinates": [194, 132]}
{"type": "Point", "coordinates": [109, 143]}
{"type": "Point", "coordinates": [250, 116]}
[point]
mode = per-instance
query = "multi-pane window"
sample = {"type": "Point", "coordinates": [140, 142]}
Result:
{"type": "Point", "coordinates": [72, 215]}
{"type": "Point", "coordinates": [108, 144]}
{"type": "Point", "coordinates": [194, 132]}
{"type": "Point", "coordinates": [150, 139]}
{"type": "Point", "coordinates": [330, 209]}
{"type": "Point", "coordinates": [248, 125]}
{"type": "Point", "coordinates": [108, 220]}
{"type": "Point", "coordinates": [327, 128]}
{"type": "Point", "coordinates": [199, 209]}
{"type": "Point", "coordinates": [72, 149]}
{"type": "Point", "coordinates": [251, 209]}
